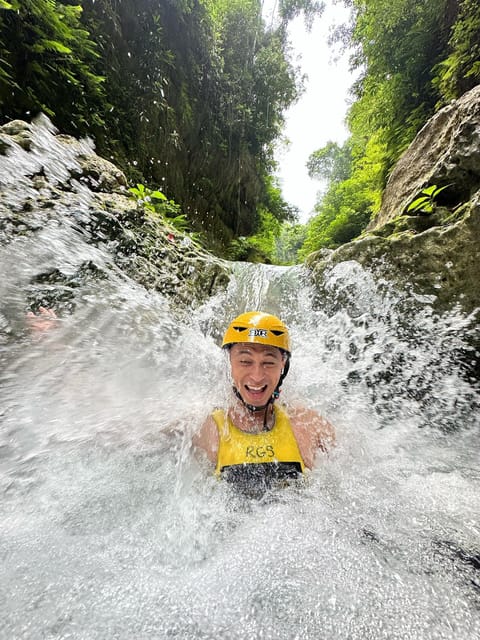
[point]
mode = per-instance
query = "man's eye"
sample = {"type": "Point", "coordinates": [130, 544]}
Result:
{"type": "Point", "coordinates": [269, 364]}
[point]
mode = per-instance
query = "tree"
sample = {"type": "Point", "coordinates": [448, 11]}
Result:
{"type": "Point", "coordinates": [352, 195]}
{"type": "Point", "coordinates": [275, 217]}
{"type": "Point", "coordinates": [460, 70]}
{"type": "Point", "coordinates": [398, 43]}
{"type": "Point", "coordinates": [290, 9]}
{"type": "Point", "coordinates": [199, 90]}
{"type": "Point", "coordinates": [47, 57]}
{"type": "Point", "coordinates": [332, 163]}
{"type": "Point", "coordinates": [289, 242]}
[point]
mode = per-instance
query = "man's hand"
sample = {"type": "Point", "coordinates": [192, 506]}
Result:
{"type": "Point", "coordinates": [43, 321]}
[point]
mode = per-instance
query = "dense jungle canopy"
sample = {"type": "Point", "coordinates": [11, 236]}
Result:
{"type": "Point", "coordinates": [189, 96]}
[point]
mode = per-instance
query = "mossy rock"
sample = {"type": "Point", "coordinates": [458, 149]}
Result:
{"type": "Point", "coordinates": [418, 223]}
{"type": "Point", "coordinates": [442, 261]}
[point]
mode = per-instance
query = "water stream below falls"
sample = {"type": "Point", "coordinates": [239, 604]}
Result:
{"type": "Point", "coordinates": [111, 528]}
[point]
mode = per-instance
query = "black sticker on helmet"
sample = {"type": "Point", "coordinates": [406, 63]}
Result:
{"type": "Point", "coordinates": [257, 333]}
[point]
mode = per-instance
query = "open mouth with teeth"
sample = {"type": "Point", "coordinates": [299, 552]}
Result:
{"type": "Point", "coordinates": [255, 392]}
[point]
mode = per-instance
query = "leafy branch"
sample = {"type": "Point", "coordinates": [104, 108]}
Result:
{"type": "Point", "coordinates": [157, 203]}
{"type": "Point", "coordinates": [426, 201]}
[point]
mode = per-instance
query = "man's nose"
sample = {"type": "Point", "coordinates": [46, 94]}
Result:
{"type": "Point", "coordinates": [257, 372]}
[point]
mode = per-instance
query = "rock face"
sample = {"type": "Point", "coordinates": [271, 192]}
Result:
{"type": "Point", "coordinates": [445, 152]}
{"type": "Point", "coordinates": [435, 249]}
{"type": "Point", "coordinates": [46, 177]}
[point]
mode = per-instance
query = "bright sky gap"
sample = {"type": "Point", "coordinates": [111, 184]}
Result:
{"type": "Point", "coordinates": [319, 115]}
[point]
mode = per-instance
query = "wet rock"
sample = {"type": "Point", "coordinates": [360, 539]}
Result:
{"type": "Point", "coordinates": [63, 181]}
{"type": "Point", "coordinates": [442, 262]}
{"type": "Point", "coordinates": [95, 172]}
{"type": "Point", "coordinates": [19, 132]}
{"type": "Point", "coordinates": [445, 152]}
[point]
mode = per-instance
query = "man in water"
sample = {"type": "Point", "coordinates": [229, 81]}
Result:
{"type": "Point", "coordinates": [255, 439]}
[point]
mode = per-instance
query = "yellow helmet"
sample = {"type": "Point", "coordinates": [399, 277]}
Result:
{"type": "Point", "coordinates": [258, 327]}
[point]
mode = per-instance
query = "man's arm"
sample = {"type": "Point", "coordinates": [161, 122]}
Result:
{"type": "Point", "coordinates": [312, 432]}
{"type": "Point", "coordinates": [324, 432]}
{"type": "Point", "coordinates": [207, 440]}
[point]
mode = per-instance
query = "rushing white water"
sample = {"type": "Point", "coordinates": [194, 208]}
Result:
{"type": "Point", "coordinates": [110, 527]}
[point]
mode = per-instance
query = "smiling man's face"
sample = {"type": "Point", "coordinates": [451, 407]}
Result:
{"type": "Point", "coordinates": [256, 370]}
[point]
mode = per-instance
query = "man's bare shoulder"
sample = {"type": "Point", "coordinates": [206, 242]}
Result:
{"type": "Point", "coordinates": [206, 438]}
{"type": "Point", "coordinates": [305, 420]}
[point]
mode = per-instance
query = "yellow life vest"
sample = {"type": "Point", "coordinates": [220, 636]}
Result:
{"type": "Point", "coordinates": [265, 456]}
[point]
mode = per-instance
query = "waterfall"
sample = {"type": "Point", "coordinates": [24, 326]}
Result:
{"type": "Point", "coordinates": [112, 527]}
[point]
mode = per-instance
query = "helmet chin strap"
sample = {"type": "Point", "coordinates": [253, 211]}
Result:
{"type": "Point", "coordinates": [264, 407]}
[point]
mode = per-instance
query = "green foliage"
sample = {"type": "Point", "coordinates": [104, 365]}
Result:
{"type": "Point", "coordinates": [199, 90]}
{"type": "Point", "coordinates": [265, 240]}
{"type": "Point", "coordinates": [271, 243]}
{"type": "Point", "coordinates": [191, 94]}
{"type": "Point", "coordinates": [331, 162]}
{"type": "Point", "coordinates": [9, 5]}
{"type": "Point", "coordinates": [352, 196]}
{"type": "Point", "coordinates": [260, 247]}
{"type": "Point", "coordinates": [291, 239]}
{"type": "Point", "coordinates": [397, 45]}
{"type": "Point", "coordinates": [290, 9]}
{"type": "Point", "coordinates": [460, 70]}
{"type": "Point", "coordinates": [426, 201]}
{"type": "Point", "coordinates": [275, 204]}
{"type": "Point", "coordinates": [343, 215]}
{"type": "Point", "coordinates": [157, 203]}
{"type": "Point", "coordinates": [47, 58]}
